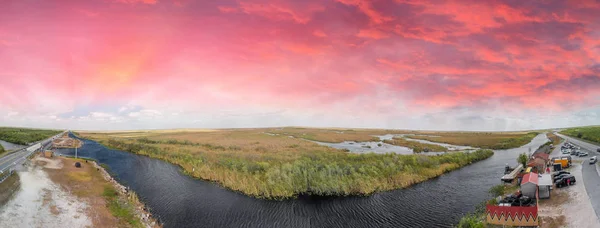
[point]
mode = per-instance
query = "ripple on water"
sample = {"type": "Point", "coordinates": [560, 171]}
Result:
{"type": "Point", "coordinates": [181, 201]}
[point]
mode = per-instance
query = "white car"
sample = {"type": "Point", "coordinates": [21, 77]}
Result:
{"type": "Point", "coordinates": [593, 160]}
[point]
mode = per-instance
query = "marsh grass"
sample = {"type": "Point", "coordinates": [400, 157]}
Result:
{"type": "Point", "coordinates": [278, 167]}
{"type": "Point", "coordinates": [477, 218]}
{"type": "Point", "coordinates": [485, 140]}
{"type": "Point", "coordinates": [24, 136]}
{"type": "Point", "coordinates": [334, 135]}
{"type": "Point", "coordinates": [120, 208]}
{"type": "Point", "coordinates": [591, 134]}
{"type": "Point", "coordinates": [417, 147]}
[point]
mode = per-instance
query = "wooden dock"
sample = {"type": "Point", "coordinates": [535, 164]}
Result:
{"type": "Point", "coordinates": [513, 174]}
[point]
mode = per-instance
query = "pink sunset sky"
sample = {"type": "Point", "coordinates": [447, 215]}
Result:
{"type": "Point", "coordinates": [440, 65]}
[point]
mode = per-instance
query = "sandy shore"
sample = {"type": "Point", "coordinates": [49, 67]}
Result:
{"type": "Point", "coordinates": [54, 193]}
{"type": "Point", "coordinates": [42, 203]}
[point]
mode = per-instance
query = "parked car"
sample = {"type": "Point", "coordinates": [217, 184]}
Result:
{"type": "Point", "coordinates": [562, 182]}
{"type": "Point", "coordinates": [557, 173]}
{"type": "Point", "coordinates": [557, 178]}
{"type": "Point", "coordinates": [583, 154]}
{"type": "Point", "coordinates": [593, 160]}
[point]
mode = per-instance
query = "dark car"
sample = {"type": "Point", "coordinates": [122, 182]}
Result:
{"type": "Point", "coordinates": [558, 177]}
{"type": "Point", "coordinates": [562, 182]}
{"type": "Point", "coordinates": [558, 173]}
{"type": "Point", "coordinates": [598, 150]}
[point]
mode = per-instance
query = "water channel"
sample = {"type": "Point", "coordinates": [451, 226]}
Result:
{"type": "Point", "coordinates": [10, 146]}
{"type": "Point", "coordinates": [180, 201]}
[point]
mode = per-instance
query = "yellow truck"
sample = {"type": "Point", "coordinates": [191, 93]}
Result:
{"type": "Point", "coordinates": [564, 163]}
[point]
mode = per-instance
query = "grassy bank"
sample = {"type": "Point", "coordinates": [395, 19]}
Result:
{"type": "Point", "coordinates": [107, 207]}
{"type": "Point", "coordinates": [554, 138]}
{"type": "Point", "coordinates": [591, 134]}
{"type": "Point", "coordinates": [120, 208]}
{"type": "Point", "coordinates": [485, 140]}
{"type": "Point", "coordinates": [24, 136]}
{"type": "Point", "coordinates": [8, 188]}
{"type": "Point", "coordinates": [2, 150]}
{"type": "Point", "coordinates": [277, 167]}
{"type": "Point", "coordinates": [477, 218]}
{"type": "Point", "coordinates": [417, 147]}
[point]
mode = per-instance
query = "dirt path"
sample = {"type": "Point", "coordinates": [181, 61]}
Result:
{"type": "Point", "coordinates": [41, 203]}
{"type": "Point", "coordinates": [86, 183]}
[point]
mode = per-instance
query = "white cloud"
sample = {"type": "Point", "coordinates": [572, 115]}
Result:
{"type": "Point", "coordinates": [146, 113]}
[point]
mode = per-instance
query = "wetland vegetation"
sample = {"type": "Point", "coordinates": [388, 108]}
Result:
{"type": "Point", "coordinates": [417, 147]}
{"type": "Point", "coordinates": [591, 133]}
{"type": "Point", "coordinates": [276, 166]}
{"type": "Point", "coordinates": [485, 140]}
{"type": "Point", "coordinates": [24, 136]}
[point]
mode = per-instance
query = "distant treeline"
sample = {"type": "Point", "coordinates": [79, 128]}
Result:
{"type": "Point", "coordinates": [270, 176]}
{"type": "Point", "coordinates": [587, 133]}
{"type": "Point", "coordinates": [23, 136]}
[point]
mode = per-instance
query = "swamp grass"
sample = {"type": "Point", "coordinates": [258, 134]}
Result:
{"type": "Point", "coordinates": [591, 133]}
{"type": "Point", "coordinates": [417, 147]}
{"type": "Point", "coordinates": [484, 140]}
{"type": "Point", "coordinates": [279, 167]}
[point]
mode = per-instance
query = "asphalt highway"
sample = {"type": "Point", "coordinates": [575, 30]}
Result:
{"type": "Point", "coordinates": [590, 175]}
{"type": "Point", "coordinates": [18, 157]}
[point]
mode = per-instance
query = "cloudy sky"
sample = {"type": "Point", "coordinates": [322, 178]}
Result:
{"type": "Point", "coordinates": [439, 64]}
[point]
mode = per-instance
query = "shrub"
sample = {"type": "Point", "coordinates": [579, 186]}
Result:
{"type": "Point", "coordinates": [470, 221]}
{"type": "Point", "coordinates": [523, 159]}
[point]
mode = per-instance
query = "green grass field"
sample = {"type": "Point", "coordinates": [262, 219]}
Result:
{"type": "Point", "coordinates": [24, 136]}
{"type": "Point", "coordinates": [279, 166]}
{"type": "Point", "coordinates": [587, 133]}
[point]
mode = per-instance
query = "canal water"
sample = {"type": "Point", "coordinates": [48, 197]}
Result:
{"type": "Point", "coordinates": [10, 146]}
{"type": "Point", "coordinates": [180, 201]}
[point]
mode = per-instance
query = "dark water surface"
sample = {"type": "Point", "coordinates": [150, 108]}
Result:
{"type": "Point", "coordinates": [180, 201]}
{"type": "Point", "coordinates": [10, 146]}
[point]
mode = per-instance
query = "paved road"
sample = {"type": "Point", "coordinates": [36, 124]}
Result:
{"type": "Point", "coordinates": [582, 144]}
{"type": "Point", "coordinates": [18, 157]}
{"type": "Point", "coordinates": [590, 175]}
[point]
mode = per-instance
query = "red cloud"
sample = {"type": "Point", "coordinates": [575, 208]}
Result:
{"type": "Point", "coordinates": [151, 2]}
{"type": "Point", "coordinates": [227, 9]}
{"type": "Point", "coordinates": [280, 11]}
{"type": "Point", "coordinates": [319, 33]}
{"type": "Point", "coordinates": [316, 54]}
{"type": "Point", "coordinates": [372, 33]}
{"type": "Point", "coordinates": [365, 7]}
